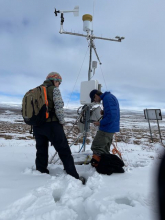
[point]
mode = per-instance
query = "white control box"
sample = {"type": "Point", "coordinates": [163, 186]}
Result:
{"type": "Point", "coordinates": [86, 88]}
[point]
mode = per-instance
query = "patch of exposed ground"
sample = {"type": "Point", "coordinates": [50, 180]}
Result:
{"type": "Point", "coordinates": [134, 128]}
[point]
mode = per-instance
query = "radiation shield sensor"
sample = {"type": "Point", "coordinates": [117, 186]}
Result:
{"type": "Point", "coordinates": [87, 22]}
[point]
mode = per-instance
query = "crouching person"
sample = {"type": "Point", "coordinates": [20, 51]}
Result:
{"type": "Point", "coordinates": [52, 130]}
{"type": "Point", "coordinates": [109, 124]}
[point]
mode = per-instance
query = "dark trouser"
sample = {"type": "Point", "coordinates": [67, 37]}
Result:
{"type": "Point", "coordinates": [53, 132]}
{"type": "Point", "coordinates": [161, 189]}
{"type": "Point", "coordinates": [102, 142]}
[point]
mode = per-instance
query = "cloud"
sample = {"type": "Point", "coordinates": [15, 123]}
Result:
{"type": "Point", "coordinates": [31, 47]}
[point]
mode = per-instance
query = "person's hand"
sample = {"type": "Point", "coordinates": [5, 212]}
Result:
{"type": "Point", "coordinates": [102, 112]}
{"type": "Point", "coordinates": [96, 123]}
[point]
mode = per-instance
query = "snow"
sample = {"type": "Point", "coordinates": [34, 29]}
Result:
{"type": "Point", "coordinates": [8, 117]}
{"type": "Point", "coordinates": [26, 194]}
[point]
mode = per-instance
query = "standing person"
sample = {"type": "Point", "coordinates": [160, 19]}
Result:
{"type": "Point", "coordinates": [52, 130]}
{"type": "Point", "coordinates": [109, 124]}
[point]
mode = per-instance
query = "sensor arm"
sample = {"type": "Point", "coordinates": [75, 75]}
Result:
{"type": "Point", "coordinates": [65, 32]}
{"type": "Point", "coordinates": [102, 38]}
{"type": "Point", "coordinates": [89, 36]}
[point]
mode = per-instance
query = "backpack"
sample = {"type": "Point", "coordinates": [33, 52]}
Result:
{"type": "Point", "coordinates": [109, 164]}
{"type": "Point", "coordinates": [35, 106]}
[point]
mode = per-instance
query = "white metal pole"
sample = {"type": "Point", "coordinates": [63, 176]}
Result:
{"type": "Point", "coordinates": [90, 60]}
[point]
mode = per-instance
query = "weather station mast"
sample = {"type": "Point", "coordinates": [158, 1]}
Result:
{"type": "Point", "coordinates": [86, 86]}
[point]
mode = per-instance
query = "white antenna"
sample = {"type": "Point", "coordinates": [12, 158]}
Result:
{"type": "Point", "coordinates": [94, 1]}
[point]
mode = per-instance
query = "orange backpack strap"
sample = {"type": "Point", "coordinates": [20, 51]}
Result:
{"type": "Point", "coordinates": [46, 101]}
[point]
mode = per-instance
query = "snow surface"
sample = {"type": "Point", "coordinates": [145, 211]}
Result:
{"type": "Point", "coordinates": [26, 194]}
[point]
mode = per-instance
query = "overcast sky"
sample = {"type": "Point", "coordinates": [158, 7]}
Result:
{"type": "Point", "coordinates": [31, 47]}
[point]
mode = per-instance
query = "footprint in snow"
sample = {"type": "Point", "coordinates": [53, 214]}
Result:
{"type": "Point", "coordinates": [125, 201]}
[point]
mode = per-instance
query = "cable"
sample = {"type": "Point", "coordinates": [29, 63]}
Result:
{"type": "Point", "coordinates": [77, 78]}
{"type": "Point", "coordinates": [82, 144]}
{"type": "Point", "coordinates": [78, 118]}
{"type": "Point", "coordinates": [103, 77]}
{"type": "Point", "coordinates": [70, 147]}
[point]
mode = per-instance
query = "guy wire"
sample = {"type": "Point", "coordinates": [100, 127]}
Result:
{"type": "Point", "coordinates": [103, 77]}
{"type": "Point", "coordinates": [77, 78]}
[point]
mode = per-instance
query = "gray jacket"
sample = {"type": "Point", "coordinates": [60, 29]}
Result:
{"type": "Point", "coordinates": [58, 105]}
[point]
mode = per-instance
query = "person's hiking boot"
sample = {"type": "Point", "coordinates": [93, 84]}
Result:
{"type": "Point", "coordinates": [47, 171]}
{"type": "Point", "coordinates": [119, 170]}
{"type": "Point", "coordinates": [82, 179]}
{"type": "Point", "coordinates": [44, 171]}
{"type": "Point", "coordinates": [95, 160]}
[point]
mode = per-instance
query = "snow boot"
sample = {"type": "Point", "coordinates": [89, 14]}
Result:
{"type": "Point", "coordinates": [82, 179]}
{"type": "Point", "coordinates": [95, 160]}
{"type": "Point", "coordinates": [43, 171]}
